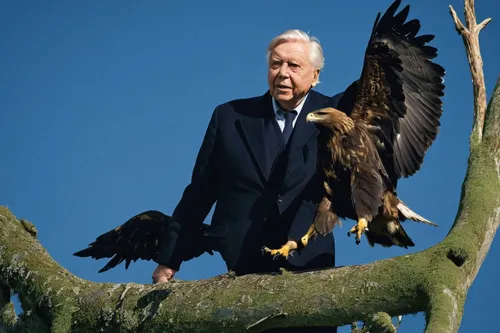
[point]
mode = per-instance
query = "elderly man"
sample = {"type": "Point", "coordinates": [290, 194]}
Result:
{"type": "Point", "coordinates": [257, 162]}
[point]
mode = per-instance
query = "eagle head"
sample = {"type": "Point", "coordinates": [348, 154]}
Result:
{"type": "Point", "coordinates": [331, 119]}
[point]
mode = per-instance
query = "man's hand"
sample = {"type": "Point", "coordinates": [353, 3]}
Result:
{"type": "Point", "coordinates": [162, 274]}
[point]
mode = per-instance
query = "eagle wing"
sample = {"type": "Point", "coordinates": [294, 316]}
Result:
{"type": "Point", "coordinates": [398, 93]}
{"type": "Point", "coordinates": [139, 238]}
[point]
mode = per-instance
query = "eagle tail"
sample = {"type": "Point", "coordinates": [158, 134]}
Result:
{"type": "Point", "coordinates": [401, 238]}
{"type": "Point", "coordinates": [388, 232]}
{"type": "Point", "coordinates": [409, 214]}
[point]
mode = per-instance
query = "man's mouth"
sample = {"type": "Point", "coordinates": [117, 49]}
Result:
{"type": "Point", "coordinates": [281, 86]}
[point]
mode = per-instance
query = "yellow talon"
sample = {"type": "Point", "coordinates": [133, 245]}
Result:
{"type": "Point", "coordinates": [311, 232]}
{"type": "Point", "coordinates": [359, 229]}
{"type": "Point", "coordinates": [283, 251]}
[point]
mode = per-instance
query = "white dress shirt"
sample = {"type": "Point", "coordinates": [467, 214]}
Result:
{"type": "Point", "coordinates": [278, 113]}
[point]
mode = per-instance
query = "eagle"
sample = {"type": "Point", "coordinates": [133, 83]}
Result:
{"type": "Point", "coordinates": [140, 238]}
{"type": "Point", "coordinates": [380, 131]}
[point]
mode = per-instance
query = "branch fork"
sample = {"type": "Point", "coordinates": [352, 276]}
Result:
{"type": "Point", "coordinates": [470, 36]}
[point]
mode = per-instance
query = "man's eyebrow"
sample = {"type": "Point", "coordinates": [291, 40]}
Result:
{"type": "Point", "coordinates": [294, 60]}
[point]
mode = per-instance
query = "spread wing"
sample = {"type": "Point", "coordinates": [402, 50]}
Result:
{"type": "Point", "coordinates": [138, 238]}
{"type": "Point", "coordinates": [398, 93]}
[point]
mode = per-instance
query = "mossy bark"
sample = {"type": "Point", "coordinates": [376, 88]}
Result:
{"type": "Point", "coordinates": [435, 281]}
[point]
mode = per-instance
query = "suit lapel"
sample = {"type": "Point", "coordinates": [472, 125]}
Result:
{"type": "Point", "coordinates": [258, 134]}
{"type": "Point", "coordinates": [302, 133]}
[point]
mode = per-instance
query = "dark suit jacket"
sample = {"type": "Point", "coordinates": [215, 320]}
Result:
{"type": "Point", "coordinates": [264, 191]}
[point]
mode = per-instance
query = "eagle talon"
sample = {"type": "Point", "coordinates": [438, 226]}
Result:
{"type": "Point", "coordinates": [359, 229]}
{"type": "Point", "coordinates": [310, 233]}
{"type": "Point", "coordinates": [284, 251]}
{"type": "Point", "coordinates": [276, 253]}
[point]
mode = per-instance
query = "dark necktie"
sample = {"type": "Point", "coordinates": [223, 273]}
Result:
{"type": "Point", "coordinates": [289, 117]}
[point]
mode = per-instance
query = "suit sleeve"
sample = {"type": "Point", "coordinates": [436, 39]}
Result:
{"type": "Point", "coordinates": [195, 203]}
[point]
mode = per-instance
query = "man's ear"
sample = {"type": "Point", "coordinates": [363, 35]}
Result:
{"type": "Point", "coordinates": [315, 77]}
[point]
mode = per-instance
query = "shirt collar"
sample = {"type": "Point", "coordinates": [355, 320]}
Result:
{"type": "Point", "coordinates": [276, 107]}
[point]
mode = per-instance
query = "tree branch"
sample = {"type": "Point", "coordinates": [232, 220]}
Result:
{"type": "Point", "coordinates": [461, 29]}
{"type": "Point", "coordinates": [8, 316]}
{"type": "Point", "coordinates": [470, 36]}
{"type": "Point", "coordinates": [482, 25]}
{"type": "Point", "coordinates": [220, 302]}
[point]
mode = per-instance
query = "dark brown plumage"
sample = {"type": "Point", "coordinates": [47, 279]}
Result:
{"type": "Point", "coordinates": [139, 238]}
{"type": "Point", "coordinates": [391, 117]}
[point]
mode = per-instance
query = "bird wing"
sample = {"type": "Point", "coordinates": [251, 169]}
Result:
{"type": "Point", "coordinates": [398, 93]}
{"type": "Point", "coordinates": [138, 238]}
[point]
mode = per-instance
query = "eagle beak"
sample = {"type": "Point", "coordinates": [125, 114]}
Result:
{"type": "Point", "coordinates": [311, 117]}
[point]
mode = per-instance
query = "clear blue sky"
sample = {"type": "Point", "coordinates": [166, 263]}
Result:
{"type": "Point", "coordinates": [104, 105]}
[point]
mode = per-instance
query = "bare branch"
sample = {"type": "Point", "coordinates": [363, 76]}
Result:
{"type": "Point", "coordinates": [470, 14]}
{"type": "Point", "coordinates": [481, 25]}
{"type": "Point", "coordinates": [470, 36]}
{"type": "Point", "coordinates": [461, 29]}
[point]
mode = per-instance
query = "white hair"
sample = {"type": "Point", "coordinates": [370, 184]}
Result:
{"type": "Point", "coordinates": [316, 51]}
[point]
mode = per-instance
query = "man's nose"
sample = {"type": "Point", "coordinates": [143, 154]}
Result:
{"type": "Point", "coordinates": [284, 70]}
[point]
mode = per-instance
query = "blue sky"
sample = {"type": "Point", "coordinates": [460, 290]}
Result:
{"type": "Point", "coordinates": [104, 105]}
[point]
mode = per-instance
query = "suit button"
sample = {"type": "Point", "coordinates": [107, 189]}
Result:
{"type": "Point", "coordinates": [265, 219]}
{"type": "Point", "coordinates": [280, 199]}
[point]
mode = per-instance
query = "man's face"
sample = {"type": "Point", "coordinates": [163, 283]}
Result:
{"type": "Point", "coordinates": [290, 73]}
